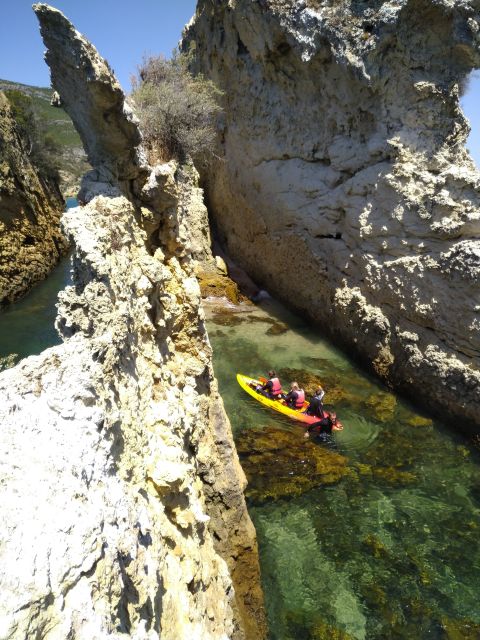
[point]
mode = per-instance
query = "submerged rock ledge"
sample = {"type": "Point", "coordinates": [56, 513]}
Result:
{"type": "Point", "coordinates": [344, 183]}
{"type": "Point", "coordinates": [121, 491]}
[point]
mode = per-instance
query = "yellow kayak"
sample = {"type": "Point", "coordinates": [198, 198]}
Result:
{"type": "Point", "coordinates": [248, 384]}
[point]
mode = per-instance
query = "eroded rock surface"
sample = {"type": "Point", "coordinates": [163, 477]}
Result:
{"type": "Point", "coordinates": [122, 487]}
{"type": "Point", "coordinates": [92, 97]}
{"type": "Point", "coordinates": [31, 241]}
{"type": "Point", "coordinates": [345, 184]}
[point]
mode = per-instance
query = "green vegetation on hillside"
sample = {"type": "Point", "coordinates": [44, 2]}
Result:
{"type": "Point", "coordinates": [39, 144]}
{"type": "Point", "coordinates": [62, 137]}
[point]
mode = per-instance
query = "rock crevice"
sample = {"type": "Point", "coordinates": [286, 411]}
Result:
{"type": "Point", "coordinates": [345, 185]}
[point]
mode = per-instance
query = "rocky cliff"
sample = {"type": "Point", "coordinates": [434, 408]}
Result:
{"type": "Point", "coordinates": [122, 491]}
{"type": "Point", "coordinates": [345, 185]}
{"type": "Point", "coordinates": [56, 123]}
{"type": "Point", "coordinates": [31, 242]}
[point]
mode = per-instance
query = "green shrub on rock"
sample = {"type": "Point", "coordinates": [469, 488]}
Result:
{"type": "Point", "coordinates": [177, 111]}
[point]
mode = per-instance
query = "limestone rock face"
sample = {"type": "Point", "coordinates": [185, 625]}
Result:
{"type": "Point", "coordinates": [125, 440]}
{"type": "Point", "coordinates": [345, 184]}
{"type": "Point", "coordinates": [122, 491]}
{"type": "Point", "coordinates": [92, 96]}
{"type": "Point", "coordinates": [31, 241]}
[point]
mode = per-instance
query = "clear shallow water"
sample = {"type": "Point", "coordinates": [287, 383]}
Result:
{"type": "Point", "coordinates": [388, 547]}
{"type": "Point", "coordinates": [27, 326]}
{"type": "Point", "coordinates": [381, 540]}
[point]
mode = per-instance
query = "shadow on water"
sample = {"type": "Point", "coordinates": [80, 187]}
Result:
{"type": "Point", "coordinates": [371, 536]}
{"type": "Point", "coordinates": [27, 326]}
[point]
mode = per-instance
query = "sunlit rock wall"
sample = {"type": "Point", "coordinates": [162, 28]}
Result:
{"type": "Point", "coordinates": [344, 183]}
{"type": "Point", "coordinates": [31, 242]}
{"type": "Point", "coordinates": [121, 488]}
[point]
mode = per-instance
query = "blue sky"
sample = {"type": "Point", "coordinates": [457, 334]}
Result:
{"type": "Point", "coordinates": [122, 30]}
{"type": "Point", "coordinates": [470, 105]}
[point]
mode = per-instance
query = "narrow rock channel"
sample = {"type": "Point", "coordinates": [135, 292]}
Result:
{"type": "Point", "coordinates": [370, 532]}
{"type": "Point", "coordinates": [370, 535]}
{"type": "Point", "coordinates": [126, 441]}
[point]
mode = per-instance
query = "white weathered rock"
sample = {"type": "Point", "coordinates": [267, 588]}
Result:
{"type": "Point", "coordinates": [122, 494]}
{"type": "Point", "coordinates": [117, 452]}
{"type": "Point", "coordinates": [93, 98]}
{"type": "Point", "coordinates": [345, 184]}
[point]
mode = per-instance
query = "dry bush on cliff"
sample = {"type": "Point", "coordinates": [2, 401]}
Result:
{"type": "Point", "coordinates": [177, 110]}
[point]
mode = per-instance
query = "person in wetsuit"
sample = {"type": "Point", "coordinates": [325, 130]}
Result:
{"type": "Point", "coordinates": [296, 397]}
{"type": "Point", "coordinates": [315, 408]}
{"type": "Point", "coordinates": [322, 428]}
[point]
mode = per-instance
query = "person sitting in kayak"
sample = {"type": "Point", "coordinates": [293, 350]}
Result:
{"type": "Point", "coordinates": [272, 388]}
{"type": "Point", "coordinates": [323, 427]}
{"type": "Point", "coordinates": [296, 397]}
{"type": "Point", "coordinates": [315, 408]}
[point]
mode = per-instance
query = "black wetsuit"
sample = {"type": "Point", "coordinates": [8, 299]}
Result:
{"type": "Point", "coordinates": [323, 426]}
{"type": "Point", "coordinates": [268, 386]}
{"type": "Point", "coordinates": [315, 408]}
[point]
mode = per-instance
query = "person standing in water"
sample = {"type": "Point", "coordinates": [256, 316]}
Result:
{"type": "Point", "coordinates": [296, 397]}
{"type": "Point", "coordinates": [323, 427]}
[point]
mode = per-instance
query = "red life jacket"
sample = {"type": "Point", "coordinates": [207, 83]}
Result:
{"type": "Point", "coordinates": [300, 398]}
{"type": "Point", "coordinates": [276, 386]}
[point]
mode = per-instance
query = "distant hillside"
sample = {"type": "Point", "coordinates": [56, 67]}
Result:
{"type": "Point", "coordinates": [58, 123]}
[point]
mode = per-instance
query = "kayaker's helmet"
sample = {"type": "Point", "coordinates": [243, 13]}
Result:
{"type": "Point", "coordinates": [333, 417]}
{"type": "Point", "coordinates": [294, 386]}
{"type": "Point", "coordinates": [272, 374]}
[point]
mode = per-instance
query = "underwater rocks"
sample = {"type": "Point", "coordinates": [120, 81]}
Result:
{"type": "Point", "coordinates": [281, 463]}
{"type": "Point", "coordinates": [31, 242]}
{"type": "Point", "coordinates": [318, 629]}
{"type": "Point", "coordinates": [344, 184]}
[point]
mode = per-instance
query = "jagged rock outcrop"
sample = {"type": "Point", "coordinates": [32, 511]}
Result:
{"type": "Point", "coordinates": [31, 241]}
{"type": "Point", "coordinates": [102, 116]}
{"type": "Point", "coordinates": [345, 185]}
{"type": "Point", "coordinates": [122, 490]}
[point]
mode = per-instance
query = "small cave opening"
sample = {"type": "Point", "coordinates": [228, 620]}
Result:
{"type": "Point", "coordinates": [28, 241]}
{"type": "Point", "coordinates": [469, 100]}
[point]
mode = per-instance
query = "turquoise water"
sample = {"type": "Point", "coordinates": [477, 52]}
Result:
{"type": "Point", "coordinates": [384, 544]}
{"type": "Point", "coordinates": [27, 327]}
{"type": "Point", "coordinates": [371, 535]}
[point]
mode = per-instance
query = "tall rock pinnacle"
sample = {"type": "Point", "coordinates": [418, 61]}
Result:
{"type": "Point", "coordinates": [92, 96]}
